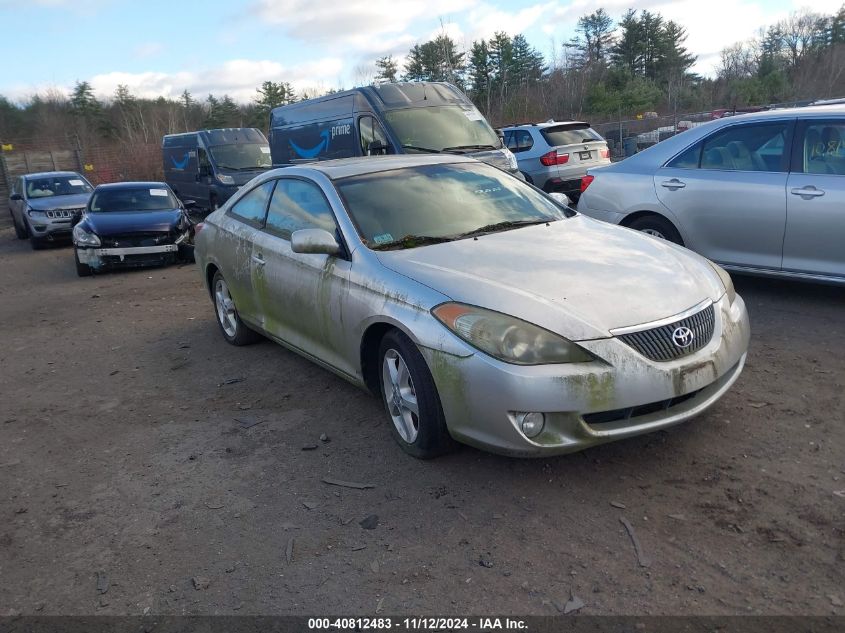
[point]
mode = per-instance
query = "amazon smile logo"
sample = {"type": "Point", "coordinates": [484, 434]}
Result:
{"type": "Point", "coordinates": [180, 164]}
{"type": "Point", "coordinates": [323, 146]}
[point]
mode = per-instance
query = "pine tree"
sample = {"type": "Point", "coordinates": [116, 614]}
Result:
{"type": "Point", "coordinates": [387, 68]}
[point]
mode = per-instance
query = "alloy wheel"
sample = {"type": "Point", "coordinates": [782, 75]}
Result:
{"type": "Point", "coordinates": [400, 396]}
{"type": "Point", "coordinates": [225, 308]}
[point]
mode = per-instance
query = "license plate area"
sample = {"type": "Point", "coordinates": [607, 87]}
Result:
{"type": "Point", "coordinates": [584, 155]}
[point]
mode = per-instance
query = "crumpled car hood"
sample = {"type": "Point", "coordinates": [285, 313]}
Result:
{"type": "Point", "coordinates": [578, 277]}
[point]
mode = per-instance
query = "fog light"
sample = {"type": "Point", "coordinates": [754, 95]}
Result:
{"type": "Point", "coordinates": [532, 424]}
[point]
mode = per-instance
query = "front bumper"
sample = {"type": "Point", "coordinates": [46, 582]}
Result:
{"type": "Point", "coordinates": [100, 258]}
{"type": "Point", "coordinates": [49, 229]}
{"type": "Point", "coordinates": [629, 395]}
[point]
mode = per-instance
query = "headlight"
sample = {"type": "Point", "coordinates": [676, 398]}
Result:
{"type": "Point", "coordinates": [726, 281]}
{"type": "Point", "coordinates": [81, 237]}
{"type": "Point", "coordinates": [225, 179]}
{"type": "Point", "coordinates": [511, 159]}
{"type": "Point", "coordinates": [37, 215]}
{"type": "Point", "coordinates": [508, 338]}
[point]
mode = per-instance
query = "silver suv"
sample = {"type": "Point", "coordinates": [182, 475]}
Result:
{"type": "Point", "coordinates": [555, 155]}
{"type": "Point", "coordinates": [42, 205]}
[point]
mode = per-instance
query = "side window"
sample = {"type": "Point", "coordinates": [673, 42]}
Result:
{"type": "Point", "coordinates": [688, 159]}
{"type": "Point", "coordinates": [370, 131]}
{"type": "Point", "coordinates": [253, 206]}
{"type": "Point", "coordinates": [203, 162]}
{"type": "Point", "coordinates": [757, 147]}
{"type": "Point", "coordinates": [524, 141]}
{"type": "Point", "coordinates": [298, 204]}
{"type": "Point", "coordinates": [510, 140]}
{"type": "Point", "coordinates": [823, 151]}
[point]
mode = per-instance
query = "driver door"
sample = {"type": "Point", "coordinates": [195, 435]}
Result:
{"type": "Point", "coordinates": [301, 295]}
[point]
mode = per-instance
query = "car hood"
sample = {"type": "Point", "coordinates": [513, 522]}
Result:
{"type": "Point", "coordinates": [494, 157]}
{"type": "Point", "coordinates": [243, 177]}
{"type": "Point", "coordinates": [578, 277]}
{"type": "Point", "coordinates": [120, 222]}
{"type": "Point", "coordinates": [73, 201]}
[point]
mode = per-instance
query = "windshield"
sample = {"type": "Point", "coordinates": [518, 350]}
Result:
{"type": "Point", "coordinates": [135, 199]}
{"type": "Point", "coordinates": [409, 207]}
{"type": "Point", "coordinates": [242, 156]}
{"type": "Point", "coordinates": [570, 135]}
{"type": "Point", "coordinates": [437, 128]}
{"type": "Point", "coordinates": [49, 186]}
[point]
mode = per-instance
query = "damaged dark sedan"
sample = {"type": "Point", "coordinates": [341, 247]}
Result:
{"type": "Point", "coordinates": [132, 224]}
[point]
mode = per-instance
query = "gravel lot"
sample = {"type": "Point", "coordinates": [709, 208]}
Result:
{"type": "Point", "coordinates": [147, 466]}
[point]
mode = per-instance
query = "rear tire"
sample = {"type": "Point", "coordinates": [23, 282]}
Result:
{"type": "Point", "coordinates": [234, 330]}
{"type": "Point", "coordinates": [657, 226]}
{"type": "Point", "coordinates": [83, 270]}
{"type": "Point", "coordinates": [410, 396]}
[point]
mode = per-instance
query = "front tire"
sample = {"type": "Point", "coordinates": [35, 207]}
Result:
{"type": "Point", "coordinates": [20, 231]}
{"type": "Point", "coordinates": [234, 330]}
{"type": "Point", "coordinates": [657, 226]}
{"type": "Point", "coordinates": [410, 397]}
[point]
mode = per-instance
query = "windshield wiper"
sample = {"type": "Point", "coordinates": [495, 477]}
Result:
{"type": "Point", "coordinates": [422, 149]}
{"type": "Point", "coordinates": [463, 148]}
{"type": "Point", "coordinates": [502, 226]}
{"type": "Point", "coordinates": [411, 241]}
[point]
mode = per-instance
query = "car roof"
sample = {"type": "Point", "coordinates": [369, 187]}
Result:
{"type": "Point", "coordinates": [111, 186]}
{"type": "Point", "coordinates": [815, 112]}
{"type": "Point", "coordinates": [345, 167]}
{"type": "Point", "coordinates": [50, 174]}
{"type": "Point", "coordinates": [544, 124]}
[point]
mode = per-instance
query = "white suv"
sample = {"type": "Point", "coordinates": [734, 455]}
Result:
{"type": "Point", "coordinates": [555, 155]}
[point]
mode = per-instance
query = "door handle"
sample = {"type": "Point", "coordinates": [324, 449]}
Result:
{"type": "Point", "coordinates": [807, 192]}
{"type": "Point", "coordinates": [674, 183]}
{"type": "Point", "coordinates": [258, 259]}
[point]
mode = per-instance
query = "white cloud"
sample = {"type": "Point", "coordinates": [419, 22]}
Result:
{"type": "Point", "coordinates": [238, 78]}
{"type": "Point", "coordinates": [355, 24]}
{"type": "Point", "coordinates": [485, 20]}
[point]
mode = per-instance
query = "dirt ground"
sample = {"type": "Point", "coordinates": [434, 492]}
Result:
{"type": "Point", "coordinates": [148, 467]}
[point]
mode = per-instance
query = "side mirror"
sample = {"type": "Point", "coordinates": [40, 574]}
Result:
{"type": "Point", "coordinates": [188, 204]}
{"type": "Point", "coordinates": [75, 218]}
{"type": "Point", "coordinates": [376, 148]}
{"type": "Point", "coordinates": [205, 170]}
{"type": "Point", "coordinates": [16, 196]}
{"type": "Point", "coordinates": [316, 241]}
{"type": "Point", "coordinates": [561, 198]}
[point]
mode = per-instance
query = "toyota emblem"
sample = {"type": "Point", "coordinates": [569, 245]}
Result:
{"type": "Point", "coordinates": [682, 336]}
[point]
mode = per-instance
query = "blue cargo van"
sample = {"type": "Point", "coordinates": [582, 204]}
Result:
{"type": "Point", "coordinates": [209, 166]}
{"type": "Point", "coordinates": [394, 118]}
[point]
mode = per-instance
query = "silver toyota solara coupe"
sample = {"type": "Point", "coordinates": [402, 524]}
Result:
{"type": "Point", "coordinates": [478, 308]}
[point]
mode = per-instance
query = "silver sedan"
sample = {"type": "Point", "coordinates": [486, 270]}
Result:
{"type": "Point", "coordinates": [477, 308]}
{"type": "Point", "coordinates": [759, 193]}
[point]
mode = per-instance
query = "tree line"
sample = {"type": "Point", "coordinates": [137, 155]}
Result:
{"type": "Point", "coordinates": [610, 69]}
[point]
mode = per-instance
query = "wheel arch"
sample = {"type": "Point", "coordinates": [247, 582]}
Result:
{"type": "Point", "coordinates": [629, 219]}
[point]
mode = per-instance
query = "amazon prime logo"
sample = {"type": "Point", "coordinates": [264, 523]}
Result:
{"type": "Point", "coordinates": [682, 336]}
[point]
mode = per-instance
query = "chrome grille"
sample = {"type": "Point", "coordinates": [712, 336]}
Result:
{"type": "Point", "coordinates": [61, 213]}
{"type": "Point", "coordinates": [658, 344]}
{"type": "Point", "coordinates": [131, 240]}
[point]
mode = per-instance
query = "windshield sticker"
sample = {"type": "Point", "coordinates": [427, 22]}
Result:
{"type": "Point", "coordinates": [158, 192]}
{"type": "Point", "coordinates": [384, 238]}
{"type": "Point", "coordinates": [265, 150]}
{"type": "Point", "coordinates": [75, 182]}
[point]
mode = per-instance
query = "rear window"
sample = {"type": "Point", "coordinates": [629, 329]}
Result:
{"type": "Point", "coordinates": [570, 135]}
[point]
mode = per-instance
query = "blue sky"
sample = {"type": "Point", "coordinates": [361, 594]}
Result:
{"type": "Point", "coordinates": [162, 48]}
